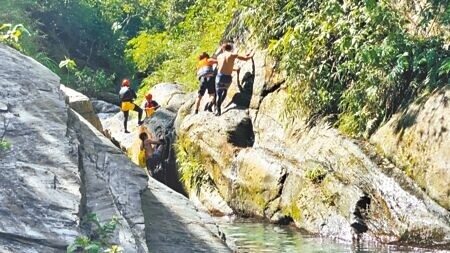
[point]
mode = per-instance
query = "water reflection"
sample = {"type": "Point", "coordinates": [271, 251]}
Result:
{"type": "Point", "coordinates": [257, 236]}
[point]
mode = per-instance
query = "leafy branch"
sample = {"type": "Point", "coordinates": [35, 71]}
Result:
{"type": "Point", "coordinates": [99, 239]}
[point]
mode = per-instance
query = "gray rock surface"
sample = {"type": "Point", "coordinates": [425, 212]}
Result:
{"type": "Point", "coordinates": [60, 167]}
{"type": "Point", "coordinates": [104, 107]}
{"type": "Point", "coordinates": [178, 226]}
{"type": "Point", "coordinates": [104, 110]}
{"type": "Point", "coordinates": [111, 184]}
{"type": "Point", "coordinates": [39, 191]}
{"type": "Point", "coordinates": [169, 95]}
{"type": "Point", "coordinates": [3, 107]}
{"type": "Point", "coordinates": [418, 140]}
{"type": "Point", "coordinates": [81, 104]}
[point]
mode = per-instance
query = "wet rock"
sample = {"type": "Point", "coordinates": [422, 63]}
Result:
{"type": "Point", "coordinates": [418, 141]}
{"type": "Point", "coordinates": [81, 104]}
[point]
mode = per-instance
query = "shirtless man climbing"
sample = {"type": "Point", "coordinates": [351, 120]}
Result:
{"type": "Point", "coordinates": [153, 152]}
{"type": "Point", "coordinates": [225, 65]}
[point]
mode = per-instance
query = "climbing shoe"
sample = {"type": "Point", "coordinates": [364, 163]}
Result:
{"type": "Point", "coordinates": [127, 132]}
{"type": "Point", "coordinates": [196, 111]}
{"type": "Point", "coordinates": [140, 122]}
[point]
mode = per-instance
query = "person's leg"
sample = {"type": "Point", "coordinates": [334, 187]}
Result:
{"type": "Point", "coordinates": [201, 92]}
{"type": "Point", "coordinates": [125, 115]}
{"type": "Point", "coordinates": [219, 100]}
{"type": "Point", "coordinates": [139, 111]}
{"type": "Point", "coordinates": [150, 167]}
{"type": "Point", "coordinates": [224, 95]}
{"type": "Point", "coordinates": [197, 104]}
{"type": "Point", "coordinates": [157, 158]}
{"type": "Point", "coordinates": [212, 93]}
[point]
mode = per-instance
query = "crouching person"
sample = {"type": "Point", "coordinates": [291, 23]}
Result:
{"type": "Point", "coordinates": [153, 153]}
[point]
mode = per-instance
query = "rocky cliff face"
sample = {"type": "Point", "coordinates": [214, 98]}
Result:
{"type": "Point", "coordinates": [60, 168]}
{"type": "Point", "coordinates": [418, 140]}
{"type": "Point", "coordinates": [253, 161]}
{"type": "Point", "coordinates": [266, 165]}
{"type": "Point", "coordinates": [39, 181]}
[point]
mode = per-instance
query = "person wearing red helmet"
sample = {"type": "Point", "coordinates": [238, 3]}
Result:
{"type": "Point", "coordinates": [150, 105]}
{"type": "Point", "coordinates": [127, 96]}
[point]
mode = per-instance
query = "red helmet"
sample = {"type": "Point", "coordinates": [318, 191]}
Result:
{"type": "Point", "coordinates": [148, 96]}
{"type": "Point", "coordinates": [125, 82]}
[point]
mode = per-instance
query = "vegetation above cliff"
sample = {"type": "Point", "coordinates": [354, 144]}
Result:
{"type": "Point", "coordinates": [358, 61]}
{"type": "Point", "coordinates": [353, 59]}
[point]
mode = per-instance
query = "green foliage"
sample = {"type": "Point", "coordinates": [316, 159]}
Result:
{"type": "Point", "coordinates": [69, 64]}
{"type": "Point", "coordinates": [92, 82]}
{"type": "Point", "coordinates": [4, 145]}
{"type": "Point", "coordinates": [86, 81]}
{"type": "Point", "coordinates": [99, 240]}
{"type": "Point", "coordinates": [353, 58]}
{"type": "Point", "coordinates": [315, 174]}
{"type": "Point", "coordinates": [10, 34]}
{"type": "Point", "coordinates": [191, 162]}
{"type": "Point", "coordinates": [170, 55]}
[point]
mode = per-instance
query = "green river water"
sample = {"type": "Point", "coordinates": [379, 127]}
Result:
{"type": "Point", "coordinates": [257, 236]}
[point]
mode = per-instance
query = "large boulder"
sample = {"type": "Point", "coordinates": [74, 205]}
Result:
{"type": "Point", "coordinates": [418, 140]}
{"type": "Point", "coordinates": [39, 178]}
{"type": "Point", "coordinates": [112, 186]}
{"type": "Point", "coordinates": [104, 110]}
{"type": "Point", "coordinates": [60, 168]}
{"type": "Point", "coordinates": [82, 105]}
{"type": "Point", "coordinates": [169, 95]}
{"type": "Point", "coordinates": [282, 168]}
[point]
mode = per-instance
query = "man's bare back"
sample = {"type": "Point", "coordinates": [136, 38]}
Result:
{"type": "Point", "coordinates": [225, 62]}
{"type": "Point", "coordinates": [149, 147]}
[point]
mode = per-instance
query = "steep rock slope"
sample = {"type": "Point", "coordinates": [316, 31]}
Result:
{"type": "Point", "coordinates": [266, 165]}
{"type": "Point", "coordinates": [60, 167]}
{"type": "Point", "coordinates": [40, 182]}
{"type": "Point", "coordinates": [45, 194]}
{"type": "Point", "coordinates": [418, 140]}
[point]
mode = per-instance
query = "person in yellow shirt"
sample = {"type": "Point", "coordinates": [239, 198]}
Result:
{"type": "Point", "coordinates": [206, 75]}
{"type": "Point", "coordinates": [127, 96]}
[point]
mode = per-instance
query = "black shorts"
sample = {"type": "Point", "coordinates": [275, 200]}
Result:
{"type": "Point", "coordinates": [153, 161]}
{"type": "Point", "coordinates": [207, 83]}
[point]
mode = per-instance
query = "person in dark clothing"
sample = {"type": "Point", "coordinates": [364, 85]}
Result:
{"type": "Point", "coordinates": [206, 75]}
{"type": "Point", "coordinates": [127, 96]}
{"type": "Point", "coordinates": [153, 152]}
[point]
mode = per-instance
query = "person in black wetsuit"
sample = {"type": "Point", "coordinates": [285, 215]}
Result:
{"type": "Point", "coordinates": [127, 96]}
